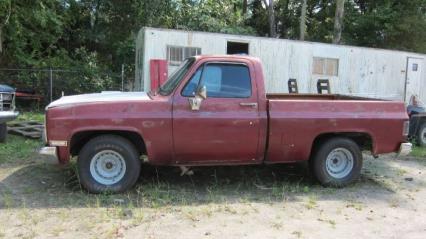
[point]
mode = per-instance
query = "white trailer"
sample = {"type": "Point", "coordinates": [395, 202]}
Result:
{"type": "Point", "coordinates": [351, 70]}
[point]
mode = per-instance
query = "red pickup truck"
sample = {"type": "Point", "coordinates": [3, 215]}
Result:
{"type": "Point", "coordinates": [214, 111]}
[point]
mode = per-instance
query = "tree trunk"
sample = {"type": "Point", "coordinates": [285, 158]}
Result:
{"type": "Point", "coordinates": [303, 21]}
{"type": "Point", "coordinates": [244, 7]}
{"type": "Point", "coordinates": [271, 18]}
{"type": "Point", "coordinates": [338, 21]}
{"type": "Point", "coordinates": [1, 39]}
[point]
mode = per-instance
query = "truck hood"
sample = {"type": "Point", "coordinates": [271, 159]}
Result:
{"type": "Point", "coordinates": [107, 96]}
{"type": "Point", "coordinates": [6, 88]}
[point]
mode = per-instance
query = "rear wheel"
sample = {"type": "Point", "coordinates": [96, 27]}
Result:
{"type": "Point", "coordinates": [337, 162]}
{"type": "Point", "coordinates": [108, 163]}
{"type": "Point", "coordinates": [3, 132]}
{"type": "Point", "coordinates": [421, 135]}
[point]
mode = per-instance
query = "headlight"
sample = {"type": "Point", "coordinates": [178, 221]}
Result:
{"type": "Point", "coordinates": [406, 128]}
{"type": "Point", "coordinates": [6, 97]}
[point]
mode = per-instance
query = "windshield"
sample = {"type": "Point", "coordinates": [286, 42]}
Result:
{"type": "Point", "coordinates": [176, 77]}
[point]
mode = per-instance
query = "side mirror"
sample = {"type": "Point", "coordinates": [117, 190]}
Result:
{"type": "Point", "coordinates": [200, 95]}
{"type": "Point", "coordinates": [202, 92]}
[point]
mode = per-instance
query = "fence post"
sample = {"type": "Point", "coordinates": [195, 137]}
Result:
{"type": "Point", "coordinates": [50, 84]}
{"type": "Point", "coordinates": [122, 77]}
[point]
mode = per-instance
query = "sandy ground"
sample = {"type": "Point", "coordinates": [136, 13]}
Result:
{"type": "Point", "coordinates": [44, 201]}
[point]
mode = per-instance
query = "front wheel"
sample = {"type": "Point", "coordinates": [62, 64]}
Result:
{"type": "Point", "coordinates": [337, 162]}
{"type": "Point", "coordinates": [421, 135]}
{"type": "Point", "coordinates": [108, 163]}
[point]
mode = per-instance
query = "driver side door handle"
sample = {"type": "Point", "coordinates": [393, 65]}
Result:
{"type": "Point", "coordinates": [254, 105]}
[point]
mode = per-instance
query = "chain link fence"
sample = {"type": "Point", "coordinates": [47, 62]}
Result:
{"type": "Point", "coordinates": [50, 84]}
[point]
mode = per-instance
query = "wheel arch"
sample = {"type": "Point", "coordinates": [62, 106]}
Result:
{"type": "Point", "coordinates": [80, 138]}
{"type": "Point", "coordinates": [363, 139]}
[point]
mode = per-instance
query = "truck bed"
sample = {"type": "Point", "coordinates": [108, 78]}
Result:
{"type": "Point", "coordinates": [290, 96]}
{"type": "Point", "coordinates": [297, 120]}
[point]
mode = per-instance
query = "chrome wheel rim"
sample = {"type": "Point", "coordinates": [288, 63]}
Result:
{"type": "Point", "coordinates": [339, 163]}
{"type": "Point", "coordinates": [107, 167]}
{"type": "Point", "coordinates": [423, 135]}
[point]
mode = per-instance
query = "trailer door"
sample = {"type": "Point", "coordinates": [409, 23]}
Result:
{"type": "Point", "coordinates": [413, 81]}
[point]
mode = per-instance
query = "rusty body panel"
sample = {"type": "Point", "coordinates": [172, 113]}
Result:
{"type": "Point", "coordinates": [295, 124]}
{"type": "Point", "coordinates": [152, 120]}
{"type": "Point", "coordinates": [228, 131]}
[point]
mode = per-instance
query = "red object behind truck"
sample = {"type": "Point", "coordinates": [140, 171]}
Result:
{"type": "Point", "coordinates": [157, 72]}
{"type": "Point", "coordinates": [214, 110]}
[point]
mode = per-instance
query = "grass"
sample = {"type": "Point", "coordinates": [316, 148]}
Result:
{"type": "Point", "coordinates": [31, 116]}
{"type": "Point", "coordinates": [18, 148]}
{"type": "Point", "coordinates": [419, 152]}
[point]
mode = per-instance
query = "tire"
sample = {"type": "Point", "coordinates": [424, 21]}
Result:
{"type": "Point", "coordinates": [108, 163]}
{"type": "Point", "coordinates": [3, 132]}
{"type": "Point", "coordinates": [421, 135]}
{"type": "Point", "coordinates": [337, 162]}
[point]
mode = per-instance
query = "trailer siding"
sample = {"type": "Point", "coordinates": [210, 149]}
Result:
{"type": "Point", "coordinates": [362, 71]}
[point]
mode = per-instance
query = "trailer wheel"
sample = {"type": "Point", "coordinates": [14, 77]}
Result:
{"type": "Point", "coordinates": [3, 132]}
{"type": "Point", "coordinates": [108, 163]}
{"type": "Point", "coordinates": [421, 135]}
{"type": "Point", "coordinates": [337, 162]}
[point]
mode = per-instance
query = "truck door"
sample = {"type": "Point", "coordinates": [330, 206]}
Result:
{"type": "Point", "coordinates": [225, 129]}
{"type": "Point", "coordinates": [413, 84]}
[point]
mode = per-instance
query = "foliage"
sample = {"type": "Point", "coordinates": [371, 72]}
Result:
{"type": "Point", "coordinates": [98, 36]}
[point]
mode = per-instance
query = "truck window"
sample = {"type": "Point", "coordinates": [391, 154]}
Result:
{"type": "Point", "coordinates": [192, 84]}
{"type": "Point", "coordinates": [226, 80]}
{"type": "Point", "coordinates": [176, 77]}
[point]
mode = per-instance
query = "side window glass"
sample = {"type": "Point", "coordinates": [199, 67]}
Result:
{"type": "Point", "coordinates": [212, 79]}
{"type": "Point", "coordinates": [227, 81]}
{"type": "Point", "coordinates": [192, 84]}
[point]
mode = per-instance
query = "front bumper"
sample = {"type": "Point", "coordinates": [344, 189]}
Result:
{"type": "Point", "coordinates": [51, 153]}
{"type": "Point", "coordinates": [6, 116]}
{"type": "Point", "coordinates": [405, 149]}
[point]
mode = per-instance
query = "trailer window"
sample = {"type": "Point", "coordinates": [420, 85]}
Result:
{"type": "Point", "coordinates": [237, 48]}
{"type": "Point", "coordinates": [177, 54]}
{"type": "Point", "coordinates": [325, 66]}
{"type": "Point", "coordinates": [415, 66]}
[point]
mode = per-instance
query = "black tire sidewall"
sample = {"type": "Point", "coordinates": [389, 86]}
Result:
{"type": "Point", "coordinates": [3, 132]}
{"type": "Point", "coordinates": [419, 135]}
{"type": "Point", "coordinates": [319, 163]}
{"type": "Point", "coordinates": [115, 143]}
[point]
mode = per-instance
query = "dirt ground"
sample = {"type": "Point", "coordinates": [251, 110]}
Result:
{"type": "Point", "coordinates": [39, 200]}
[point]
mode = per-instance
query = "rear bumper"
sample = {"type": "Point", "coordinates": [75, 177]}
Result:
{"type": "Point", "coordinates": [405, 149]}
{"type": "Point", "coordinates": [51, 153]}
{"type": "Point", "coordinates": [6, 116]}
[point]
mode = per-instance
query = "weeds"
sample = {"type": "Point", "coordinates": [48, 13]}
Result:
{"type": "Point", "coordinates": [312, 202]}
{"type": "Point", "coordinates": [31, 116]}
{"type": "Point", "coordinates": [18, 149]}
{"type": "Point", "coordinates": [419, 152]}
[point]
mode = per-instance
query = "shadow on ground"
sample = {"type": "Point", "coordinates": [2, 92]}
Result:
{"type": "Point", "coordinates": [47, 186]}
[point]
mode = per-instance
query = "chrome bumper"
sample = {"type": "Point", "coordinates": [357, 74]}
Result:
{"type": "Point", "coordinates": [51, 152]}
{"type": "Point", "coordinates": [6, 116]}
{"type": "Point", "coordinates": [405, 149]}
